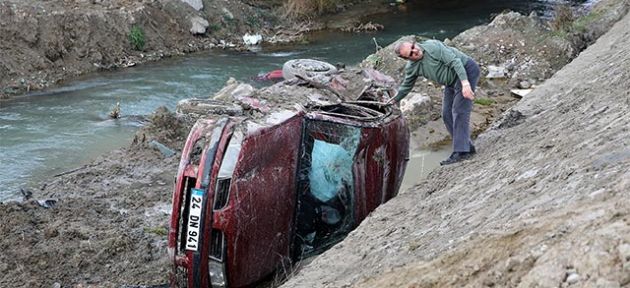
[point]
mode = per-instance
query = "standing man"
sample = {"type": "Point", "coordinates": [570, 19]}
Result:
{"type": "Point", "coordinates": [459, 75]}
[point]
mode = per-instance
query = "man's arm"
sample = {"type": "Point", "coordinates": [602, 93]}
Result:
{"type": "Point", "coordinates": [449, 58]}
{"type": "Point", "coordinates": [407, 84]}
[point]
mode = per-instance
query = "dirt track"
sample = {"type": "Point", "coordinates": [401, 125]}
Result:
{"type": "Point", "coordinates": [545, 203]}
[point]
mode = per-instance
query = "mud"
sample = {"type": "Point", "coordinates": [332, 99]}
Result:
{"type": "Point", "coordinates": [544, 199]}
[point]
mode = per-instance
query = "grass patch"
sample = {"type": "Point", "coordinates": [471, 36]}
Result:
{"type": "Point", "coordinates": [484, 101]}
{"type": "Point", "coordinates": [214, 27]}
{"type": "Point", "coordinates": [161, 231]}
{"type": "Point", "coordinates": [137, 38]}
{"type": "Point", "coordinates": [566, 22]}
{"type": "Point", "coordinates": [252, 21]}
{"type": "Point", "coordinates": [582, 22]}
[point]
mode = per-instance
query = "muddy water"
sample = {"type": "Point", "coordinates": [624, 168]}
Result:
{"type": "Point", "coordinates": [47, 133]}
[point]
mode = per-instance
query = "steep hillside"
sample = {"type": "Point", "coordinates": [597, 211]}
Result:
{"type": "Point", "coordinates": [545, 202]}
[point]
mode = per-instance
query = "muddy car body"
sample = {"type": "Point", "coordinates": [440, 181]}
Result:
{"type": "Point", "coordinates": [251, 197]}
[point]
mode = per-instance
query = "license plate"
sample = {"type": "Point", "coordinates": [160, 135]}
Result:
{"type": "Point", "coordinates": [194, 219]}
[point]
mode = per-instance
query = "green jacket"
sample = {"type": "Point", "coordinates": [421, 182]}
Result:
{"type": "Point", "coordinates": [439, 63]}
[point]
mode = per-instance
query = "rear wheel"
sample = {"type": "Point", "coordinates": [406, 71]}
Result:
{"type": "Point", "coordinates": [306, 69]}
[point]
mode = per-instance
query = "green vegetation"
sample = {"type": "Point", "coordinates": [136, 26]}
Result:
{"type": "Point", "coordinates": [565, 22]}
{"type": "Point", "coordinates": [374, 60]}
{"type": "Point", "coordinates": [214, 27]}
{"type": "Point", "coordinates": [136, 38]}
{"type": "Point", "coordinates": [156, 230]}
{"type": "Point", "coordinates": [252, 21]}
{"type": "Point", "coordinates": [484, 101]}
{"type": "Point", "coordinates": [306, 9]}
{"type": "Point", "coordinates": [580, 24]}
{"type": "Point", "coordinates": [563, 18]}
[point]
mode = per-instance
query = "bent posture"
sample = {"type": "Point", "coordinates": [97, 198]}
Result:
{"type": "Point", "coordinates": [458, 73]}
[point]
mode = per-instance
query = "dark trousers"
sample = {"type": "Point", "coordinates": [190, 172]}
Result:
{"type": "Point", "coordinates": [456, 109]}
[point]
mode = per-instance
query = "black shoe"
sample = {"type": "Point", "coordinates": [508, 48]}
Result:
{"type": "Point", "coordinates": [456, 157]}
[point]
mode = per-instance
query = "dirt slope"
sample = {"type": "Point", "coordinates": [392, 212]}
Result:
{"type": "Point", "coordinates": [545, 203]}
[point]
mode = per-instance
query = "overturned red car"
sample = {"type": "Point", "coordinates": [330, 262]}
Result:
{"type": "Point", "coordinates": [252, 197]}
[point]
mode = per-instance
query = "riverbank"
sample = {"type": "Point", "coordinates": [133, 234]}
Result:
{"type": "Point", "coordinates": [47, 43]}
{"type": "Point", "coordinates": [109, 223]}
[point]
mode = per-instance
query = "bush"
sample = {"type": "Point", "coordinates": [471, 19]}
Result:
{"type": "Point", "coordinates": [136, 38]}
{"type": "Point", "coordinates": [563, 18]}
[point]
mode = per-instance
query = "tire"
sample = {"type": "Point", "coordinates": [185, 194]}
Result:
{"type": "Point", "coordinates": [307, 69]}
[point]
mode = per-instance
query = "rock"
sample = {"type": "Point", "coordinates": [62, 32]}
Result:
{"type": "Point", "coordinates": [198, 25]}
{"type": "Point", "coordinates": [56, 285]}
{"type": "Point", "coordinates": [573, 278]}
{"type": "Point", "coordinates": [254, 39]}
{"type": "Point", "coordinates": [495, 72]}
{"type": "Point", "coordinates": [416, 103]}
{"type": "Point", "coordinates": [520, 93]}
{"type": "Point", "coordinates": [166, 152]}
{"type": "Point", "coordinates": [196, 4]}
{"type": "Point", "coordinates": [234, 90]}
{"type": "Point", "coordinates": [524, 84]}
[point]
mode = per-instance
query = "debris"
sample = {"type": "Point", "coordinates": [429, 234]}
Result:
{"type": "Point", "coordinates": [115, 113]}
{"type": "Point", "coordinates": [207, 107]}
{"type": "Point", "coordinates": [496, 72]}
{"type": "Point", "coordinates": [310, 69]}
{"type": "Point", "coordinates": [69, 171]}
{"type": "Point", "coordinates": [234, 90]}
{"type": "Point", "coordinates": [378, 47]}
{"type": "Point", "coordinates": [167, 152]}
{"type": "Point", "coordinates": [520, 93]}
{"type": "Point", "coordinates": [254, 39]}
{"type": "Point", "coordinates": [364, 27]}
{"type": "Point", "coordinates": [47, 203]}
{"type": "Point", "coordinates": [26, 194]}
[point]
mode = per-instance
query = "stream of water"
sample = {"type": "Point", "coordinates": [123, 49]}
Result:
{"type": "Point", "coordinates": [48, 132]}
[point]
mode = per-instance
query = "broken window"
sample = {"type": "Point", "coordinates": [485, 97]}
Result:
{"type": "Point", "coordinates": [325, 211]}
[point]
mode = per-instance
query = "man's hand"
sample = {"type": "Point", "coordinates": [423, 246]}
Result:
{"type": "Point", "coordinates": [467, 90]}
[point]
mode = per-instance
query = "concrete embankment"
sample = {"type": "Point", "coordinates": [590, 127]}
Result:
{"type": "Point", "coordinates": [545, 202]}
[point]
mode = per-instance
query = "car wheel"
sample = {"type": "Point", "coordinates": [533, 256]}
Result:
{"type": "Point", "coordinates": [306, 69]}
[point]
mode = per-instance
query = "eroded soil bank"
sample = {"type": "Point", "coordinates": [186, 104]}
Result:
{"type": "Point", "coordinates": [546, 191]}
